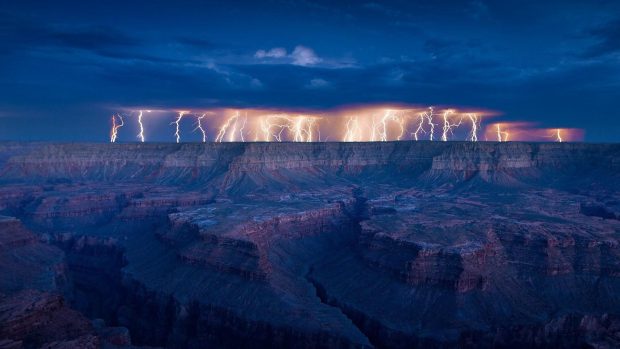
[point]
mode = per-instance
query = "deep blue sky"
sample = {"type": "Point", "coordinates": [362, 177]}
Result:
{"type": "Point", "coordinates": [66, 65]}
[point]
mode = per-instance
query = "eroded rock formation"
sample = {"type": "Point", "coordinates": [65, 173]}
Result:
{"type": "Point", "coordinates": [386, 244]}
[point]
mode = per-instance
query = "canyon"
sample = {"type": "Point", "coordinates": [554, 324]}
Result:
{"type": "Point", "coordinates": [348, 245]}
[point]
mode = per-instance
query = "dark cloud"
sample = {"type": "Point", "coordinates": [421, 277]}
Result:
{"type": "Point", "coordinates": [200, 44]}
{"type": "Point", "coordinates": [77, 62]}
{"type": "Point", "coordinates": [94, 38]}
{"type": "Point", "coordinates": [607, 37]}
{"type": "Point", "coordinates": [18, 33]}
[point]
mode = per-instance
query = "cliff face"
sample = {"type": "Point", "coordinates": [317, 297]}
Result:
{"type": "Point", "coordinates": [190, 163]}
{"type": "Point", "coordinates": [386, 244]}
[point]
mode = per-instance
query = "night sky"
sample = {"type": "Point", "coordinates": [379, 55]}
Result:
{"type": "Point", "coordinates": [65, 66]}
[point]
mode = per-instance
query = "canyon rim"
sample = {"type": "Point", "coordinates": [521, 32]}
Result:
{"type": "Point", "coordinates": [360, 245]}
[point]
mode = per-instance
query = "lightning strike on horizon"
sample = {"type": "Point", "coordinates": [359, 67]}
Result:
{"type": "Point", "coordinates": [115, 127]}
{"type": "Point", "coordinates": [448, 125]}
{"type": "Point", "coordinates": [242, 127]}
{"type": "Point", "coordinates": [265, 130]}
{"type": "Point", "coordinates": [141, 134]}
{"type": "Point", "coordinates": [224, 128]}
{"type": "Point", "coordinates": [502, 136]}
{"type": "Point", "coordinates": [353, 133]}
{"type": "Point", "coordinates": [299, 128]}
{"type": "Point", "coordinates": [302, 129]}
{"type": "Point", "coordinates": [429, 119]}
{"type": "Point", "coordinates": [373, 131]}
{"type": "Point", "coordinates": [270, 122]}
{"type": "Point", "coordinates": [199, 127]}
{"type": "Point", "coordinates": [558, 136]}
{"type": "Point", "coordinates": [475, 124]}
{"type": "Point", "coordinates": [379, 130]}
{"type": "Point", "coordinates": [278, 122]}
{"type": "Point", "coordinates": [401, 123]}
{"type": "Point", "coordinates": [309, 131]}
{"type": "Point", "coordinates": [177, 122]}
{"type": "Point", "coordinates": [420, 127]}
{"type": "Point", "coordinates": [391, 115]}
{"type": "Point", "coordinates": [233, 132]}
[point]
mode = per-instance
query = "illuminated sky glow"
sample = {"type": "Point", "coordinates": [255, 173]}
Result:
{"type": "Point", "coordinates": [353, 124]}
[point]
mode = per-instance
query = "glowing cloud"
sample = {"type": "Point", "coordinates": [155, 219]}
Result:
{"type": "Point", "coordinates": [379, 123]}
{"type": "Point", "coordinates": [527, 131]}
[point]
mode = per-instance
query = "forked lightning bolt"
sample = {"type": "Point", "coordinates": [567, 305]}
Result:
{"type": "Point", "coordinates": [420, 127]}
{"type": "Point", "coordinates": [299, 128]}
{"type": "Point", "coordinates": [475, 123]}
{"type": "Point", "coordinates": [115, 127]}
{"type": "Point", "coordinates": [448, 125]}
{"type": "Point", "coordinates": [199, 127]}
{"type": "Point", "coordinates": [429, 118]}
{"type": "Point", "coordinates": [222, 132]}
{"type": "Point", "coordinates": [502, 136]}
{"type": "Point", "coordinates": [353, 132]}
{"type": "Point", "coordinates": [382, 127]}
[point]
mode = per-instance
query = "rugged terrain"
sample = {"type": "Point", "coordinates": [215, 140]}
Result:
{"type": "Point", "coordinates": [386, 245]}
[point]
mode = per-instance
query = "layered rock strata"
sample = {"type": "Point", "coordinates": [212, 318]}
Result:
{"type": "Point", "coordinates": [386, 244]}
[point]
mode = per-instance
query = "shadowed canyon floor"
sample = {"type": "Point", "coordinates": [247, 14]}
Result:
{"type": "Point", "coordinates": [385, 245]}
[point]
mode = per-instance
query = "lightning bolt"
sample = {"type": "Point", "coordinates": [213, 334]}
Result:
{"type": "Point", "coordinates": [225, 126]}
{"type": "Point", "coordinates": [299, 128]}
{"type": "Point", "coordinates": [353, 133]}
{"type": "Point", "coordinates": [401, 124]}
{"type": "Point", "coordinates": [429, 119]}
{"type": "Point", "coordinates": [199, 127]}
{"type": "Point", "coordinates": [115, 127]}
{"type": "Point", "coordinates": [278, 122]}
{"type": "Point", "coordinates": [314, 125]}
{"type": "Point", "coordinates": [448, 125]}
{"type": "Point", "coordinates": [233, 132]}
{"type": "Point", "coordinates": [475, 123]}
{"type": "Point", "coordinates": [420, 127]}
{"type": "Point", "coordinates": [502, 136]}
{"type": "Point", "coordinates": [243, 126]}
{"type": "Point", "coordinates": [558, 135]}
{"type": "Point", "coordinates": [141, 134]}
{"type": "Point", "coordinates": [422, 117]}
{"type": "Point", "coordinates": [264, 126]}
{"type": "Point", "coordinates": [381, 128]}
{"type": "Point", "coordinates": [177, 122]}
{"type": "Point", "coordinates": [383, 132]}
{"type": "Point", "coordinates": [303, 128]}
